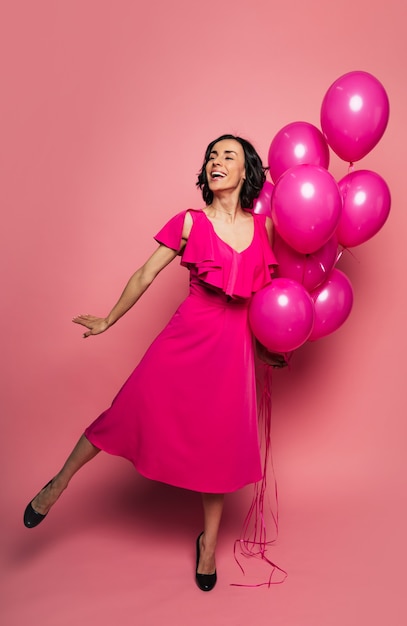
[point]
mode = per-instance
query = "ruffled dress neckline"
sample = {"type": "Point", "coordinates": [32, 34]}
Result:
{"type": "Point", "coordinates": [228, 244]}
{"type": "Point", "coordinates": [216, 264]}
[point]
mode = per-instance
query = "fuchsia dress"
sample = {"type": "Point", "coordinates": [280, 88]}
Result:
{"type": "Point", "coordinates": [187, 415]}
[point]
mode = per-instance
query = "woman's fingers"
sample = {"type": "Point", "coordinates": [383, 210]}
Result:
{"type": "Point", "coordinates": [96, 325]}
{"type": "Point", "coordinates": [84, 319]}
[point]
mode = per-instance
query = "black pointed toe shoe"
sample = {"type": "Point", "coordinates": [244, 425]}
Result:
{"type": "Point", "coordinates": [31, 517]}
{"type": "Point", "coordinates": [205, 582]}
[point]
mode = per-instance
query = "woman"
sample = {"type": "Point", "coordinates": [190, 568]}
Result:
{"type": "Point", "coordinates": [197, 427]}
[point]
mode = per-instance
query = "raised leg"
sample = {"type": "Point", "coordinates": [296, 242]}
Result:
{"type": "Point", "coordinates": [83, 452]}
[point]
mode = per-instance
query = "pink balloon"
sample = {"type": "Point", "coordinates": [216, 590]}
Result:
{"type": "Point", "coordinates": [354, 115]}
{"type": "Point", "coordinates": [297, 143]}
{"type": "Point", "coordinates": [366, 207]}
{"type": "Point", "coordinates": [306, 207]}
{"type": "Point", "coordinates": [262, 204]}
{"type": "Point", "coordinates": [333, 303]}
{"type": "Point", "coordinates": [311, 270]}
{"type": "Point", "coordinates": [282, 315]}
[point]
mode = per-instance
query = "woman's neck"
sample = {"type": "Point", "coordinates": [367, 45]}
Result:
{"type": "Point", "coordinates": [225, 206]}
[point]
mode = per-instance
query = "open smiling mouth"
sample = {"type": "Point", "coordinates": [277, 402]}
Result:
{"type": "Point", "coordinates": [217, 175]}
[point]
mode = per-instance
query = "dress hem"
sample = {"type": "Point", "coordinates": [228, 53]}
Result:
{"type": "Point", "coordinates": [175, 483]}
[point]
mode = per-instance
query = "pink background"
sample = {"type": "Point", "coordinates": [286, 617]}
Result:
{"type": "Point", "coordinates": [106, 109]}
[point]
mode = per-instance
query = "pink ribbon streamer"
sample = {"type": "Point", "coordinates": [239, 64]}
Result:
{"type": "Point", "coordinates": [253, 541]}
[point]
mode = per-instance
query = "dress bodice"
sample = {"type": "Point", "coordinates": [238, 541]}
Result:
{"type": "Point", "coordinates": [214, 262]}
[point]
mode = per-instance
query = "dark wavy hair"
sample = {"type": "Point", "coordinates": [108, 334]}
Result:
{"type": "Point", "coordinates": [255, 173]}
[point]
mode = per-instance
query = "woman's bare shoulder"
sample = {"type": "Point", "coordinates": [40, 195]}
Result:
{"type": "Point", "coordinates": [188, 223]}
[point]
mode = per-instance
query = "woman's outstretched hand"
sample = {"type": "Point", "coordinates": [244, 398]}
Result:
{"type": "Point", "coordinates": [96, 325]}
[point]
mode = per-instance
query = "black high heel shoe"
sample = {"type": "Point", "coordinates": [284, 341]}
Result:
{"type": "Point", "coordinates": [205, 582]}
{"type": "Point", "coordinates": [31, 517]}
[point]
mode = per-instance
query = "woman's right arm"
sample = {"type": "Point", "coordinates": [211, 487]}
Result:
{"type": "Point", "coordinates": [136, 286]}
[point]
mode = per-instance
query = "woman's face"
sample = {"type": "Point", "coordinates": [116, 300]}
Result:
{"type": "Point", "coordinates": [225, 169]}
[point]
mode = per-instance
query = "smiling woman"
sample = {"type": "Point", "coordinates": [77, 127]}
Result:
{"type": "Point", "coordinates": [197, 428]}
{"type": "Point", "coordinates": [234, 148]}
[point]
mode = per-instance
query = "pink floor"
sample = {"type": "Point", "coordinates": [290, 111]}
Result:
{"type": "Point", "coordinates": [122, 551]}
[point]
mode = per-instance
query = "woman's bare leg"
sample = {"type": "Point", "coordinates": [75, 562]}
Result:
{"type": "Point", "coordinates": [83, 452]}
{"type": "Point", "coordinates": [213, 507]}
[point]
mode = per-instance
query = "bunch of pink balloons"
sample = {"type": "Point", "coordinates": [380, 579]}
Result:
{"type": "Point", "coordinates": [315, 216]}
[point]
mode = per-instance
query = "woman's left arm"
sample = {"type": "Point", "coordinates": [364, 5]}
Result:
{"type": "Point", "coordinates": [270, 230]}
